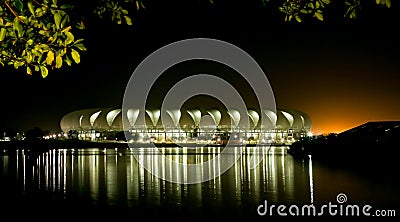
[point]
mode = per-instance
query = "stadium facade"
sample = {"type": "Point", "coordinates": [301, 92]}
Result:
{"type": "Point", "coordinates": [210, 126]}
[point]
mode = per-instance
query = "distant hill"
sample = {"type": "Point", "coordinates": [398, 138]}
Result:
{"type": "Point", "coordinates": [370, 148]}
{"type": "Point", "coordinates": [366, 136]}
{"type": "Point", "coordinates": [372, 133]}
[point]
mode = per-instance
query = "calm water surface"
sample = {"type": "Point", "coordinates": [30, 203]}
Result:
{"type": "Point", "coordinates": [104, 179]}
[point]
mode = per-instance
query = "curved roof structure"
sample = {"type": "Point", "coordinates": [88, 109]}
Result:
{"type": "Point", "coordinates": [111, 119]}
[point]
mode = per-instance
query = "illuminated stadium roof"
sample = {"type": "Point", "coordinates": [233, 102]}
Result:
{"type": "Point", "coordinates": [110, 119]}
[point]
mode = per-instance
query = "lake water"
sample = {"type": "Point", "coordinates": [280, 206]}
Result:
{"type": "Point", "coordinates": [104, 180]}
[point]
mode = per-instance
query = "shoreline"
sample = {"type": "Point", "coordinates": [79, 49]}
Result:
{"type": "Point", "coordinates": [41, 145]}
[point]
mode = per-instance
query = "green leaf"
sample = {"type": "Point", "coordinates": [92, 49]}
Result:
{"type": "Point", "coordinates": [66, 6]}
{"type": "Point", "coordinates": [28, 70]}
{"type": "Point", "coordinates": [31, 9]}
{"type": "Point", "coordinates": [55, 2]}
{"type": "Point", "coordinates": [78, 41]}
{"type": "Point", "coordinates": [138, 6]}
{"type": "Point", "coordinates": [43, 47]}
{"type": "Point", "coordinates": [378, 2]}
{"type": "Point", "coordinates": [128, 20]}
{"type": "Point", "coordinates": [18, 4]}
{"type": "Point", "coordinates": [39, 12]}
{"type": "Point", "coordinates": [119, 20]}
{"type": "Point", "coordinates": [80, 46]}
{"type": "Point", "coordinates": [80, 25]}
{"type": "Point", "coordinates": [17, 64]}
{"type": "Point", "coordinates": [75, 56]}
{"type": "Point", "coordinates": [298, 19]}
{"type": "Point", "coordinates": [53, 38]}
{"type": "Point", "coordinates": [49, 58]}
{"type": "Point", "coordinates": [349, 9]}
{"type": "Point", "coordinates": [44, 71]}
{"type": "Point", "coordinates": [57, 19]}
{"type": "Point", "coordinates": [319, 16]}
{"type": "Point", "coordinates": [64, 21]}
{"type": "Point", "coordinates": [23, 18]}
{"type": "Point", "coordinates": [58, 62]}
{"type": "Point", "coordinates": [353, 14]}
{"type": "Point", "coordinates": [37, 68]}
{"type": "Point", "coordinates": [29, 57]}
{"type": "Point", "coordinates": [67, 29]}
{"type": "Point", "coordinates": [2, 34]}
{"type": "Point", "coordinates": [39, 60]}
{"type": "Point", "coordinates": [17, 26]}
{"type": "Point", "coordinates": [141, 4]}
{"type": "Point", "coordinates": [68, 60]}
{"type": "Point", "coordinates": [69, 39]}
{"type": "Point", "coordinates": [303, 11]}
{"type": "Point", "coordinates": [388, 3]}
{"type": "Point", "coordinates": [326, 1]}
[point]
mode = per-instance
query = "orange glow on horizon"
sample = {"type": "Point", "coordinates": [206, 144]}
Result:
{"type": "Point", "coordinates": [330, 129]}
{"type": "Point", "coordinates": [324, 126]}
{"type": "Point", "coordinates": [327, 127]}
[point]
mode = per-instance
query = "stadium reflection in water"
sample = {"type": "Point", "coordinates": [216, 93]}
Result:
{"type": "Point", "coordinates": [114, 178]}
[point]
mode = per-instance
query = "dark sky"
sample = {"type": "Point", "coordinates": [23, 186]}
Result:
{"type": "Point", "coordinates": [342, 73]}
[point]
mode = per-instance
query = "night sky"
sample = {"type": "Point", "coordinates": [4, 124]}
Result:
{"type": "Point", "coordinates": [341, 73]}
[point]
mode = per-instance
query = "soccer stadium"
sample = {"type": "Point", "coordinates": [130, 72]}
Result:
{"type": "Point", "coordinates": [203, 126]}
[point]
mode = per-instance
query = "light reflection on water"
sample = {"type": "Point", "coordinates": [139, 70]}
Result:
{"type": "Point", "coordinates": [113, 177]}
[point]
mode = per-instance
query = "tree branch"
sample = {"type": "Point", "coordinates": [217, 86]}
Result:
{"type": "Point", "coordinates": [38, 3]}
{"type": "Point", "coordinates": [13, 12]}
